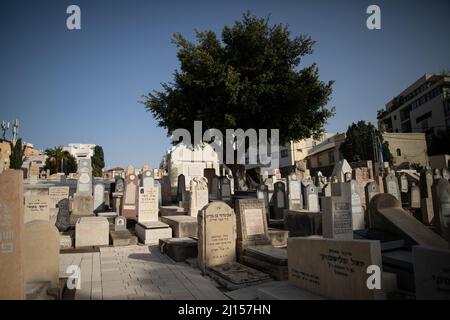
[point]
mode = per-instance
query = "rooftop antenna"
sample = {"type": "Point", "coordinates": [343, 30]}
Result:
{"type": "Point", "coordinates": [15, 129]}
{"type": "Point", "coordinates": [5, 127]}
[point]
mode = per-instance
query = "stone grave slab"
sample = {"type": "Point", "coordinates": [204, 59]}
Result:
{"type": "Point", "coordinates": [182, 226]}
{"type": "Point", "coordinates": [303, 223]}
{"type": "Point", "coordinates": [91, 231]}
{"type": "Point", "coordinates": [234, 275]}
{"type": "Point", "coordinates": [41, 251]}
{"type": "Point", "coordinates": [431, 273]}
{"type": "Point", "coordinates": [387, 214]}
{"type": "Point", "coordinates": [333, 268]}
{"type": "Point", "coordinates": [179, 249]}
{"type": "Point", "coordinates": [278, 237]}
{"type": "Point", "coordinates": [37, 208]}
{"type": "Point", "coordinates": [151, 231]}
{"type": "Point", "coordinates": [122, 238]}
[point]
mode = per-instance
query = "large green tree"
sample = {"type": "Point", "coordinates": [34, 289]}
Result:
{"type": "Point", "coordinates": [359, 143]}
{"type": "Point", "coordinates": [59, 160]}
{"type": "Point", "coordinates": [249, 78]}
{"type": "Point", "coordinates": [98, 161]}
{"type": "Point", "coordinates": [17, 154]}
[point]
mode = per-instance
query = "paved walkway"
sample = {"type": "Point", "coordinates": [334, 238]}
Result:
{"type": "Point", "coordinates": [138, 272]}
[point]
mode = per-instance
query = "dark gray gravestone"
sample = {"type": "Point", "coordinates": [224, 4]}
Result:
{"type": "Point", "coordinates": [279, 200]}
{"type": "Point", "coordinates": [63, 217]}
{"type": "Point", "coordinates": [225, 190]}
{"type": "Point", "coordinates": [181, 188]}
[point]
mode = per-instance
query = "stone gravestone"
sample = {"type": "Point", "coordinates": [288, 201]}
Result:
{"type": "Point", "coordinates": [166, 191]}
{"type": "Point", "coordinates": [12, 281]}
{"type": "Point", "coordinates": [337, 220]}
{"type": "Point", "coordinates": [404, 183]}
{"type": "Point", "coordinates": [41, 253]}
{"type": "Point", "coordinates": [251, 224]}
{"type": "Point", "coordinates": [431, 273]}
{"type": "Point", "coordinates": [83, 201]}
{"type": "Point", "coordinates": [357, 210]}
{"type": "Point", "coordinates": [295, 200]}
{"type": "Point", "coordinates": [414, 195]}
{"type": "Point", "coordinates": [387, 214]}
{"type": "Point", "coordinates": [117, 195]}
{"type": "Point", "coordinates": [262, 193]}
{"type": "Point", "coordinates": [371, 190]}
{"type": "Point", "coordinates": [225, 190]}
{"type": "Point", "coordinates": [391, 185]}
{"type": "Point", "coordinates": [120, 224]}
{"type": "Point", "coordinates": [157, 185]}
{"type": "Point", "coordinates": [426, 201]}
{"type": "Point", "coordinates": [209, 173]}
{"type": "Point", "coordinates": [441, 197]}
{"type": "Point", "coordinates": [279, 200]}
{"type": "Point", "coordinates": [181, 189]}
{"type": "Point", "coordinates": [215, 188]}
{"type": "Point", "coordinates": [445, 173]}
{"type": "Point", "coordinates": [340, 169]}
{"type": "Point", "coordinates": [199, 195]}
{"type": "Point", "coordinates": [148, 204]}
{"type": "Point", "coordinates": [33, 173]}
{"type": "Point", "coordinates": [216, 235]}
{"type": "Point", "coordinates": [99, 197]}
{"type": "Point", "coordinates": [91, 231]}
{"type": "Point", "coordinates": [312, 198]}
{"type": "Point", "coordinates": [147, 179]}
{"type": "Point", "coordinates": [37, 208]}
{"type": "Point", "coordinates": [63, 217]}
{"type": "Point", "coordinates": [130, 197]}
{"type": "Point", "coordinates": [57, 195]}
{"type": "Point", "coordinates": [336, 269]}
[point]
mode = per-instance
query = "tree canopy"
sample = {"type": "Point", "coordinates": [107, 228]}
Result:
{"type": "Point", "coordinates": [359, 140]}
{"type": "Point", "coordinates": [249, 78]}
{"type": "Point", "coordinates": [98, 161]}
{"type": "Point", "coordinates": [17, 154]}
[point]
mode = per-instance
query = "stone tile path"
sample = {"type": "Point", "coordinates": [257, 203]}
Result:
{"type": "Point", "coordinates": [138, 272]}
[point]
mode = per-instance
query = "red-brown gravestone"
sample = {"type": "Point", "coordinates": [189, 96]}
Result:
{"type": "Point", "coordinates": [12, 279]}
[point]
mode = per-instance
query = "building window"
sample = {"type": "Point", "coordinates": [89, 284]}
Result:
{"type": "Point", "coordinates": [395, 118]}
{"type": "Point", "coordinates": [399, 152]}
{"type": "Point", "coordinates": [423, 117]}
{"type": "Point", "coordinates": [331, 157]}
{"type": "Point", "coordinates": [284, 153]}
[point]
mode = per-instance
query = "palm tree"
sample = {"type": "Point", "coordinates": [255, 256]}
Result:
{"type": "Point", "coordinates": [59, 160]}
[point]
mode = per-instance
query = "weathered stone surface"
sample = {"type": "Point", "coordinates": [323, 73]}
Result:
{"type": "Point", "coordinates": [234, 275]}
{"type": "Point", "coordinates": [251, 223]}
{"type": "Point", "coordinates": [91, 231]}
{"type": "Point", "coordinates": [391, 185]}
{"type": "Point", "coordinates": [63, 217]}
{"type": "Point", "coordinates": [84, 183]}
{"type": "Point", "coordinates": [216, 235]}
{"type": "Point", "coordinates": [279, 200]}
{"type": "Point", "coordinates": [337, 218]}
{"type": "Point", "coordinates": [150, 232]}
{"type": "Point", "coordinates": [336, 269]}
{"type": "Point", "coordinates": [56, 194]}
{"type": "Point", "coordinates": [12, 278]}
{"type": "Point", "coordinates": [295, 199]}
{"type": "Point", "coordinates": [37, 208]}
{"type": "Point", "coordinates": [431, 273]}
{"type": "Point", "coordinates": [199, 195]}
{"type": "Point", "coordinates": [387, 214]}
{"type": "Point", "coordinates": [179, 249]}
{"type": "Point", "coordinates": [120, 224]}
{"type": "Point", "coordinates": [441, 206]}
{"type": "Point", "coordinates": [99, 197]}
{"type": "Point", "coordinates": [182, 226]}
{"type": "Point", "coordinates": [278, 237]}
{"type": "Point", "coordinates": [41, 251]}
{"type": "Point", "coordinates": [148, 204]}
{"type": "Point", "coordinates": [83, 205]}
{"type": "Point", "coordinates": [122, 238]}
{"type": "Point", "coordinates": [130, 197]}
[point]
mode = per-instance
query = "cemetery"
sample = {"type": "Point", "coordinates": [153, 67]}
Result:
{"type": "Point", "coordinates": [240, 183]}
{"type": "Point", "coordinates": [192, 236]}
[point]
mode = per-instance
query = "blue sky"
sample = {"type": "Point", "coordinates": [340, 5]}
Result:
{"type": "Point", "coordinates": [85, 86]}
